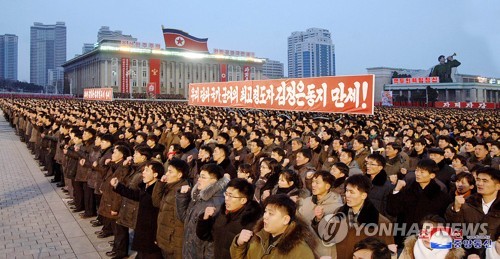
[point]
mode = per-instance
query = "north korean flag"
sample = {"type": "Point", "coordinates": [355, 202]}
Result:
{"type": "Point", "coordinates": [177, 39]}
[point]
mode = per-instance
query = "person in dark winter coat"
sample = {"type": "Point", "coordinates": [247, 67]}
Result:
{"type": "Point", "coordinates": [419, 199]}
{"type": "Point", "coordinates": [221, 158]}
{"type": "Point", "coordinates": [381, 186]}
{"type": "Point", "coordinates": [238, 212]}
{"type": "Point", "coordinates": [279, 234]}
{"type": "Point", "coordinates": [146, 226]}
{"type": "Point", "coordinates": [111, 201]}
{"type": "Point", "coordinates": [480, 207]}
{"type": "Point", "coordinates": [445, 172]}
{"type": "Point", "coordinates": [169, 234]}
{"type": "Point", "coordinates": [208, 192]}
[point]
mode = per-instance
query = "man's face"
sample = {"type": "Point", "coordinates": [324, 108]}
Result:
{"type": "Point", "coordinates": [486, 185]}
{"type": "Point", "coordinates": [353, 197]}
{"type": "Point", "coordinates": [233, 133]}
{"type": "Point", "coordinates": [423, 176]}
{"type": "Point", "coordinates": [463, 186]}
{"type": "Point", "coordinates": [356, 146]}
{"type": "Point", "coordinates": [175, 129]}
{"type": "Point", "coordinates": [254, 148]}
{"type": "Point", "coordinates": [116, 156]}
{"type": "Point", "coordinates": [336, 172]}
{"type": "Point", "coordinates": [267, 140]}
{"type": "Point", "coordinates": [275, 220]}
{"type": "Point", "coordinates": [319, 187]}
{"type": "Point", "coordinates": [480, 151]}
{"type": "Point", "coordinates": [345, 158]}
{"type": "Point", "coordinates": [469, 147]}
{"type": "Point", "coordinates": [233, 199]}
{"type": "Point", "coordinates": [301, 159]}
{"type": "Point", "coordinates": [138, 158]}
{"type": "Point", "coordinates": [148, 174]}
{"type": "Point", "coordinates": [390, 151]}
{"type": "Point", "coordinates": [296, 145]}
{"type": "Point", "coordinates": [372, 167]}
{"type": "Point", "coordinates": [218, 154]}
{"type": "Point", "coordinates": [442, 143]}
{"type": "Point", "coordinates": [313, 143]}
{"type": "Point", "coordinates": [184, 142]}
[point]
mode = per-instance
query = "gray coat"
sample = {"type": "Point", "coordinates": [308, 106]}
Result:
{"type": "Point", "coordinates": [189, 208]}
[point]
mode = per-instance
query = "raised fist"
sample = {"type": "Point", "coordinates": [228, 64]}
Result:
{"type": "Point", "coordinates": [319, 212]}
{"type": "Point", "coordinates": [244, 236]}
{"type": "Point", "coordinates": [209, 211]}
{"type": "Point", "coordinates": [185, 188]}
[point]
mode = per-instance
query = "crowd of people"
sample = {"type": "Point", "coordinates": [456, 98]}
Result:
{"type": "Point", "coordinates": [204, 182]}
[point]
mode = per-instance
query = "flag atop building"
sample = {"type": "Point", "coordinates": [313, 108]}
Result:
{"type": "Point", "coordinates": [177, 39]}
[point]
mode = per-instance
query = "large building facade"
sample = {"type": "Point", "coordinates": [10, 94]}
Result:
{"type": "Point", "coordinates": [131, 68]}
{"type": "Point", "coordinates": [311, 53]}
{"type": "Point", "coordinates": [273, 69]}
{"type": "Point", "coordinates": [8, 56]}
{"type": "Point", "coordinates": [47, 51]}
{"type": "Point", "coordinates": [464, 88]}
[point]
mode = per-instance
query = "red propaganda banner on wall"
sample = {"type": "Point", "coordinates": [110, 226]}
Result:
{"type": "Point", "coordinates": [223, 72]}
{"type": "Point", "coordinates": [125, 82]}
{"type": "Point", "coordinates": [100, 94]}
{"type": "Point", "coordinates": [154, 74]}
{"type": "Point", "coordinates": [246, 73]}
{"type": "Point", "coordinates": [178, 39]}
{"type": "Point", "coordinates": [334, 94]}
{"type": "Point", "coordinates": [467, 105]}
{"type": "Point", "coordinates": [416, 80]}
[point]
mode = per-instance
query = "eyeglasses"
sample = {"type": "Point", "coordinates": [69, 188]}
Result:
{"type": "Point", "coordinates": [230, 195]}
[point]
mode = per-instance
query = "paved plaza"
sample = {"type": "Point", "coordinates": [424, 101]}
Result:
{"type": "Point", "coordinates": [35, 221]}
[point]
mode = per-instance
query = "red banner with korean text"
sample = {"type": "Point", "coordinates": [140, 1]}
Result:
{"type": "Point", "coordinates": [416, 80]}
{"type": "Point", "coordinates": [223, 72]}
{"type": "Point", "coordinates": [246, 73]}
{"type": "Point", "coordinates": [125, 82]}
{"type": "Point", "coordinates": [465, 105]}
{"type": "Point", "coordinates": [99, 94]}
{"type": "Point", "coordinates": [333, 94]}
{"type": "Point", "coordinates": [154, 74]}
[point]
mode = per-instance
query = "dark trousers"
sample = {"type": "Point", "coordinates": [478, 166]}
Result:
{"type": "Point", "coordinates": [78, 194]}
{"type": "Point", "coordinates": [120, 245]}
{"type": "Point", "coordinates": [107, 225]}
{"type": "Point", "coordinates": [89, 199]}
{"type": "Point", "coordinates": [144, 255]}
{"type": "Point", "coordinates": [97, 203]}
{"type": "Point", "coordinates": [50, 163]}
{"type": "Point", "coordinates": [57, 169]}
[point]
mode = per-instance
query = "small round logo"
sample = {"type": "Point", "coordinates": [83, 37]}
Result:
{"type": "Point", "coordinates": [223, 75]}
{"type": "Point", "coordinates": [179, 41]}
{"type": "Point", "coordinates": [332, 229]}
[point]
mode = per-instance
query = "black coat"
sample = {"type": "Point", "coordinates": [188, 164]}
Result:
{"type": "Point", "coordinates": [445, 173]}
{"type": "Point", "coordinates": [228, 168]}
{"type": "Point", "coordinates": [145, 229]}
{"type": "Point", "coordinates": [381, 188]}
{"type": "Point", "coordinates": [413, 203]}
{"type": "Point", "coordinates": [222, 228]}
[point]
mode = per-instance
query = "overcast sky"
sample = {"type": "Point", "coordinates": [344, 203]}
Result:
{"type": "Point", "coordinates": [389, 33]}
